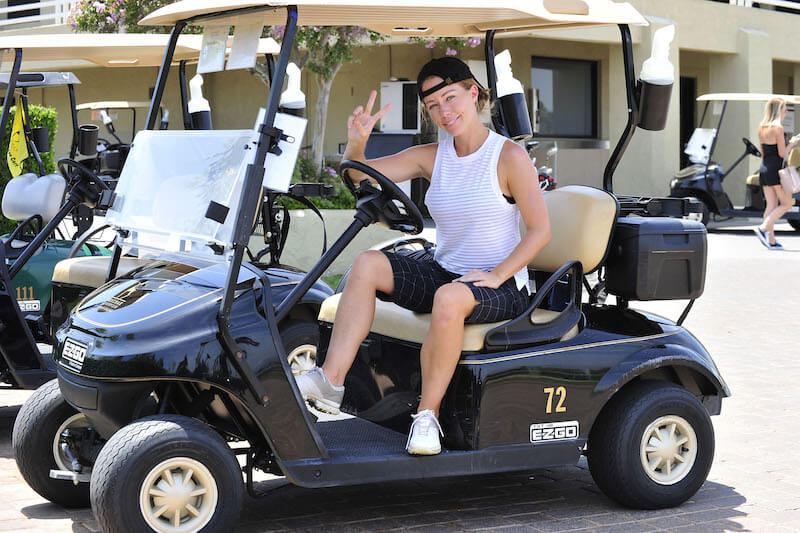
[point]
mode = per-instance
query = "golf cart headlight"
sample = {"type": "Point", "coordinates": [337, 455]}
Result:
{"type": "Point", "coordinates": [674, 183]}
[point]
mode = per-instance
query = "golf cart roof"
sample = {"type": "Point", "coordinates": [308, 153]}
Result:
{"type": "Point", "coordinates": [118, 104]}
{"type": "Point", "coordinates": [408, 17]}
{"type": "Point", "coordinates": [41, 79]}
{"type": "Point", "coordinates": [747, 97]}
{"type": "Point", "coordinates": [111, 50]}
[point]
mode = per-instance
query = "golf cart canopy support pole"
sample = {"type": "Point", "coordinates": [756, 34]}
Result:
{"type": "Point", "coordinates": [163, 72]}
{"type": "Point", "coordinates": [633, 109]}
{"type": "Point", "coordinates": [249, 197]}
{"type": "Point", "coordinates": [714, 144]}
{"type": "Point", "coordinates": [73, 150]}
{"type": "Point", "coordinates": [187, 118]}
{"type": "Point", "coordinates": [12, 84]}
{"type": "Point", "coordinates": [26, 126]}
{"type": "Point", "coordinates": [498, 119]}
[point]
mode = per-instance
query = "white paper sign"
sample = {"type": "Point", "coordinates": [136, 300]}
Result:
{"type": "Point", "coordinates": [245, 46]}
{"type": "Point", "coordinates": [212, 51]}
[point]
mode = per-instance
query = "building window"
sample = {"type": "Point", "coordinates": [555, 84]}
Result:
{"type": "Point", "coordinates": [566, 90]}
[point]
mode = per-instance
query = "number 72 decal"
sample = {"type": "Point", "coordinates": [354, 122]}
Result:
{"type": "Point", "coordinates": [561, 396]}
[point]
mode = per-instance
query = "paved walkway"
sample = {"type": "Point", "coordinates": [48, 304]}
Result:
{"type": "Point", "coordinates": [747, 319]}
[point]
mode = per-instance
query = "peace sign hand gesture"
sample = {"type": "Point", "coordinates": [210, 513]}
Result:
{"type": "Point", "coordinates": [361, 122]}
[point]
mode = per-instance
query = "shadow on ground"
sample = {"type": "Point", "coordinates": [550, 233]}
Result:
{"type": "Point", "coordinates": [557, 499]}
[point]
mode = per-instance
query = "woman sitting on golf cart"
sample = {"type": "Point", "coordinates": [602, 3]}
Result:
{"type": "Point", "coordinates": [773, 152]}
{"type": "Point", "coordinates": [480, 183]}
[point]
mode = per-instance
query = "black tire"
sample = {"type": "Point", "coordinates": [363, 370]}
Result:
{"type": "Point", "coordinates": [617, 439]}
{"type": "Point", "coordinates": [137, 451]}
{"type": "Point", "coordinates": [35, 430]}
{"type": "Point", "coordinates": [300, 340]}
{"type": "Point", "coordinates": [795, 224]}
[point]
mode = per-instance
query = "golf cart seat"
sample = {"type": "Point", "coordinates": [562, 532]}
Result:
{"type": "Point", "coordinates": [581, 221]}
{"type": "Point", "coordinates": [27, 197]}
{"type": "Point", "coordinates": [752, 179]}
{"type": "Point", "coordinates": [90, 271]}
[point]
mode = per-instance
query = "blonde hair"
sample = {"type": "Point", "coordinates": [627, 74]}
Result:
{"type": "Point", "coordinates": [772, 112]}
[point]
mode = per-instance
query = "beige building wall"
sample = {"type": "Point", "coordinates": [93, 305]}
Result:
{"type": "Point", "coordinates": [726, 48]}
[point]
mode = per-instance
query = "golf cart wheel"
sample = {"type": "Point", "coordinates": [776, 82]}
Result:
{"type": "Point", "coordinates": [300, 341]}
{"type": "Point", "coordinates": [652, 446]}
{"type": "Point", "coordinates": [37, 430]}
{"type": "Point", "coordinates": [166, 473]}
{"type": "Point", "coordinates": [795, 224]}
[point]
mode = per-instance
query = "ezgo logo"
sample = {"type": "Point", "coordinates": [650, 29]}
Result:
{"type": "Point", "coordinates": [554, 431]}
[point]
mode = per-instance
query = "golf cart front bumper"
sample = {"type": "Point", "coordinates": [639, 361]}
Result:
{"type": "Point", "coordinates": [108, 405]}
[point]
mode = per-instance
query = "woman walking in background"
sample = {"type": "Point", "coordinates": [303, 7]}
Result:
{"type": "Point", "coordinates": [773, 152]}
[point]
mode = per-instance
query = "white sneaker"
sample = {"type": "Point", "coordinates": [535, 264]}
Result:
{"type": "Point", "coordinates": [423, 437]}
{"type": "Point", "coordinates": [319, 392]}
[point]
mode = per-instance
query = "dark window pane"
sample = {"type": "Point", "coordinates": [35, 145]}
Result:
{"type": "Point", "coordinates": [567, 93]}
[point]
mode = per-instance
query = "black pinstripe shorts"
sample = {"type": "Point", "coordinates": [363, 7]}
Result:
{"type": "Point", "coordinates": [416, 281]}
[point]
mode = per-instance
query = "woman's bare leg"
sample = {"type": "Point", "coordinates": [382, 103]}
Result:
{"type": "Point", "coordinates": [371, 271]}
{"type": "Point", "coordinates": [771, 199]}
{"type": "Point", "coordinates": [452, 304]}
{"type": "Point", "coordinates": [783, 204]}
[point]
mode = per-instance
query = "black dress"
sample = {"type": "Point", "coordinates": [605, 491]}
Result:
{"type": "Point", "coordinates": [770, 165]}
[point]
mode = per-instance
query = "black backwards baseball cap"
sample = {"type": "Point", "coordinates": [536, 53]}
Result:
{"type": "Point", "coordinates": [450, 69]}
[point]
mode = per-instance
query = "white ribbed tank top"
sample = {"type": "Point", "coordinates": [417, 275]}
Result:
{"type": "Point", "coordinates": [476, 227]}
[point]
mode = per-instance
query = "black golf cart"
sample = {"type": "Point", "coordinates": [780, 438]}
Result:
{"type": "Point", "coordinates": [35, 198]}
{"type": "Point", "coordinates": [78, 275]}
{"type": "Point", "coordinates": [173, 361]}
{"type": "Point", "coordinates": [703, 178]}
{"type": "Point", "coordinates": [40, 202]}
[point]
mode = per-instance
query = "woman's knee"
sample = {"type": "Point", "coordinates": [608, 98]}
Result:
{"type": "Point", "coordinates": [452, 302]}
{"type": "Point", "coordinates": [371, 266]}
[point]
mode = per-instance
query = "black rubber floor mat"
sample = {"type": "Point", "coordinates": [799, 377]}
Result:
{"type": "Point", "coordinates": [355, 437]}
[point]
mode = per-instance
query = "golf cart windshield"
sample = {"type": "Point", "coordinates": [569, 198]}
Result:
{"type": "Point", "coordinates": [178, 189]}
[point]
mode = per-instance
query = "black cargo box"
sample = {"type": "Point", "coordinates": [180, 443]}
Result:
{"type": "Point", "coordinates": [657, 258]}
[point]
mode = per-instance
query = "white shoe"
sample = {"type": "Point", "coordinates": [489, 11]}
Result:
{"type": "Point", "coordinates": [319, 392]}
{"type": "Point", "coordinates": [423, 437]}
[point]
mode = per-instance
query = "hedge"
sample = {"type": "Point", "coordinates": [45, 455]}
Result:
{"type": "Point", "coordinates": [38, 116]}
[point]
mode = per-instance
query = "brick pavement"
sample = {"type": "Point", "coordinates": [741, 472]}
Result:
{"type": "Point", "coordinates": [746, 319]}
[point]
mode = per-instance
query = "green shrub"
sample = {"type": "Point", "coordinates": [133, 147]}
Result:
{"type": "Point", "coordinates": [39, 116]}
{"type": "Point", "coordinates": [304, 173]}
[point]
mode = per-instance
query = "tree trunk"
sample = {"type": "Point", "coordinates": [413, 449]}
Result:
{"type": "Point", "coordinates": [321, 119]}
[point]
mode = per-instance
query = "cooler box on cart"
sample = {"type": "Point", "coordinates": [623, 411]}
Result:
{"type": "Point", "coordinates": [657, 258]}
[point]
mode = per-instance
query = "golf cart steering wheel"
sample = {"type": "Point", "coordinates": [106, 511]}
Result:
{"type": "Point", "coordinates": [750, 147]}
{"type": "Point", "coordinates": [385, 210]}
{"type": "Point", "coordinates": [74, 171]}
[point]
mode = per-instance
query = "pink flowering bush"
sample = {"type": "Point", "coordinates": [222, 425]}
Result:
{"type": "Point", "coordinates": [451, 45]}
{"type": "Point", "coordinates": [114, 16]}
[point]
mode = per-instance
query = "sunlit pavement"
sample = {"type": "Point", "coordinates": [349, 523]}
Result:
{"type": "Point", "coordinates": [748, 319]}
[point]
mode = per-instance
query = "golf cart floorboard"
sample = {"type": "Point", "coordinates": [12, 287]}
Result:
{"type": "Point", "coordinates": [360, 451]}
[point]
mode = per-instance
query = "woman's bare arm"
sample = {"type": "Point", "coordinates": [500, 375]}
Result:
{"type": "Point", "coordinates": [416, 161]}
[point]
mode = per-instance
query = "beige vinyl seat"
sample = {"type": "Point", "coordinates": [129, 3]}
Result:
{"type": "Point", "coordinates": [581, 221]}
{"type": "Point", "coordinates": [90, 271]}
